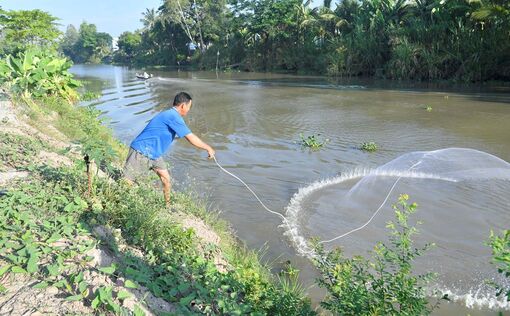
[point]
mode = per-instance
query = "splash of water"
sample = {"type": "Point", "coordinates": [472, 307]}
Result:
{"type": "Point", "coordinates": [450, 164]}
{"type": "Point", "coordinates": [463, 168]}
{"type": "Point", "coordinates": [294, 209]}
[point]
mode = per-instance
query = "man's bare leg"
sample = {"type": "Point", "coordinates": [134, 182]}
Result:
{"type": "Point", "coordinates": [164, 175]}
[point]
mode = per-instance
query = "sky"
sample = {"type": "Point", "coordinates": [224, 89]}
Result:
{"type": "Point", "coordinates": [111, 16]}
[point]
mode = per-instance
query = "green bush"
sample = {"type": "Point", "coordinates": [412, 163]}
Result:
{"type": "Point", "coordinates": [38, 73]}
{"type": "Point", "coordinates": [384, 285]}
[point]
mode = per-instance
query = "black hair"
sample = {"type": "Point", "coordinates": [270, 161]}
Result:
{"type": "Point", "coordinates": [181, 97]}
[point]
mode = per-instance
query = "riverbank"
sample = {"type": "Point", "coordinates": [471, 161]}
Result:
{"type": "Point", "coordinates": [116, 249]}
{"type": "Point", "coordinates": [263, 149]}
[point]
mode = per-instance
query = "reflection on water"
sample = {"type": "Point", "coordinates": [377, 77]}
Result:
{"type": "Point", "coordinates": [254, 122]}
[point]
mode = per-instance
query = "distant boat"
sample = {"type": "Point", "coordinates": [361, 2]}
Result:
{"type": "Point", "coordinates": [143, 76]}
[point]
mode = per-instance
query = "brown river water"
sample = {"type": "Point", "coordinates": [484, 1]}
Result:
{"type": "Point", "coordinates": [460, 176]}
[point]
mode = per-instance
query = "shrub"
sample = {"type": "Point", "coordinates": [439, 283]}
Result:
{"type": "Point", "coordinates": [383, 286]}
{"type": "Point", "coordinates": [38, 73]}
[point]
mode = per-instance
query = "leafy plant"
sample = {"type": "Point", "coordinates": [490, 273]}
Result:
{"type": "Point", "coordinates": [38, 73]}
{"type": "Point", "coordinates": [95, 149]}
{"type": "Point", "coordinates": [382, 285]}
{"type": "Point", "coordinates": [32, 233]}
{"type": "Point", "coordinates": [500, 245]}
{"type": "Point", "coordinates": [368, 146]}
{"type": "Point", "coordinates": [428, 108]}
{"type": "Point", "coordinates": [313, 141]}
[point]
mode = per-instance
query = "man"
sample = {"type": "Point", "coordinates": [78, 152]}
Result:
{"type": "Point", "coordinates": [147, 149]}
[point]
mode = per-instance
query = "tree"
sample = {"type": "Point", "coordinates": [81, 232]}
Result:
{"type": "Point", "coordinates": [87, 45]}
{"type": "Point", "coordinates": [397, 39]}
{"type": "Point", "coordinates": [201, 20]}
{"type": "Point", "coordinates": [25, 28]}
{"type": "Point", "coordinates": [129, 45]}
{"type": "Point", "coordinates": [69, 41]}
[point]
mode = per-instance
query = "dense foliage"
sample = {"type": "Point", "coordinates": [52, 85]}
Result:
{"type": "Point", "coordinates": [86, 45]}
{"type": "Point", "coordinates": [23, 29]}
{"type": "Point", "coordinates": [419, 39]}
{"type": "Point", "coordinates": [382, 285]}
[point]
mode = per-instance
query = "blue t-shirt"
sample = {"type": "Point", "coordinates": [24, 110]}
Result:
{"type": "Point", "coordinates": [157, 136]}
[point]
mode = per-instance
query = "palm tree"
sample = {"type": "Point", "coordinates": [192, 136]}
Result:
{"type": "Point", "coordinates": [150, 17]}
{"type": "Point", "coordinates": [493, 10]}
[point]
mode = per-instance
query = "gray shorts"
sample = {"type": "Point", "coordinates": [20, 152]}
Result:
{"type": "Point", "coordinates": [137, 165]}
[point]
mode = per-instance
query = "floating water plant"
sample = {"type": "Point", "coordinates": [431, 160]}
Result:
{"type": "Point", "coordinates": [368, 146]}
{"type": "Point", "coordinates": [313, 141]}
{"type": "Point", "coordinates": [428, 108]}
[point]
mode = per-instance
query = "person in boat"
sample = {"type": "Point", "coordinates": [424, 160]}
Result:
{"type": "Point", "coordinates": [147, 149]}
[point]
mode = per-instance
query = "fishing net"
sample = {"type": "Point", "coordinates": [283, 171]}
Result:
{"type": "Point", "coordinates": [462, 195]}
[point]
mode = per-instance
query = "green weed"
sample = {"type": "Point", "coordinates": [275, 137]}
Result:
{"type": "Point", "coordinates": [36, 228]}
{"type": "Point", "coordinates": [500, 245]}
{"type": "Point", "coordinates": [369, 146]}
{"type": "Point", "coordinates": [313, 141]}
{"type": "Point", "coordinates": [17, 151]}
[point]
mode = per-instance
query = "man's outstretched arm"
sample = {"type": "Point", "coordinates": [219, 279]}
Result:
{"type": "Point", "coordinates": [197, 142]}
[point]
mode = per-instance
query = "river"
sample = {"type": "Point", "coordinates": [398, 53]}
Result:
{"type": "Point", "coordinates": [254, 122]}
